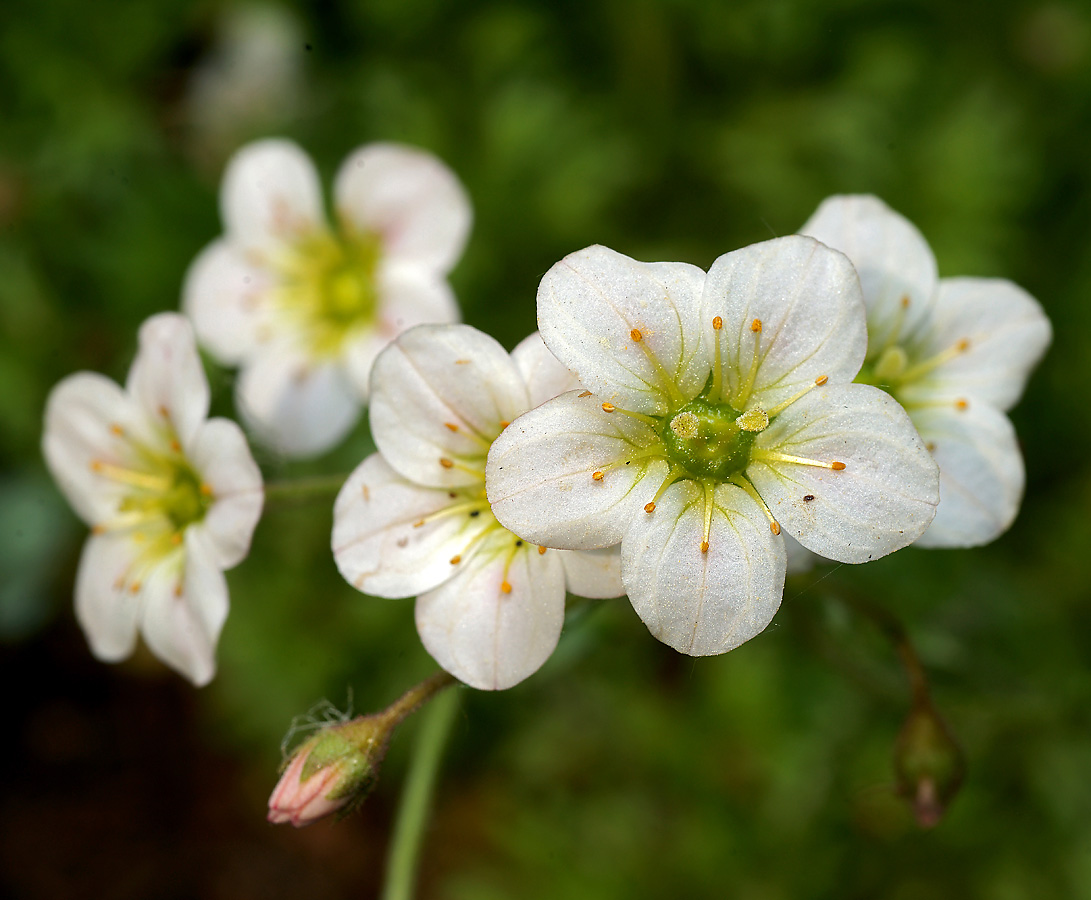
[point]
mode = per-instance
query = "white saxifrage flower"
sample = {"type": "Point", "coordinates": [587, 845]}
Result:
{"type": "Point", "coordinates": [413, 519]}
{"type": "Point", "coordinates": [302, 308]}
{"type": "Point", "coordinates": [955, 352]}
{"type": "Point", "coordinates": [171, 496]}
{"type": "Point", "coordinates": [722, 411]}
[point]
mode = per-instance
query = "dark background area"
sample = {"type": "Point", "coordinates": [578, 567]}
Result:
{"type": "Point", "coordinates": [666, 130]}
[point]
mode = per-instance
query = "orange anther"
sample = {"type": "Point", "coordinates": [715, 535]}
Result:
{"type": "Point", "coordinates": [505, 586]}
{"type": "Point", "coordinates": [597, 476]}
{"type": "Point", "coordinates": [961, 404]}
{"type": "Point", "coordinates": [451, 426]}
{"type": "Point", "coordinates": [821, 380]}
{"type": "Point", "coordinates": [649, 507]}
{"type": "Point", "coordinates": [963, 345]}
{"type": "Point", "coordinates": [774, 526]}
{"type": "Point", "coordinates": [608, 407]}
{"type": "Point", "coordinates": [116, 429]}
{"type": "Point", "coordinates": [541, 551]}
{"type": "Point", "coordinates": [586, 394]}
{"type": "Point", "coordinates": [446, 463]}
{"type": "Point", "coordinates": [717, 323]}
{"type": "Point", "coordinates": [456, 559]}
{"type": "Point", "coordinates": [704, 546]}
{"type": "Point", "coordinates": [837, 466]}
{"type": "Point", "coordinates": [905, 301]}
{"type": "Point", "coordinates": [636, 335]}
{"type": "Point", "coordinates": [755, 326]}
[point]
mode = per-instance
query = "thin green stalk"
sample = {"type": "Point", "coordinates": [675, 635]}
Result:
{"type": "Point", "coordinates": [415, 806]}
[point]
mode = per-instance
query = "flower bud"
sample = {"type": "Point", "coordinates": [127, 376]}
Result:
{"type": "Point", "coordinates": [928, 763]}
{"type": "Point", "coordinates": [332, 771]}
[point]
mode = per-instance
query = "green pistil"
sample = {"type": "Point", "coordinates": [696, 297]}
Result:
{"type": "Point", "coordinates": [183, 502]}
{"type": "Point", "coordinates": [711, 440]}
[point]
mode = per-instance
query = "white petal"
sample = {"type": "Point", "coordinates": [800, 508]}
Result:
{"type": "Point", "coordinates": [488, 638]}
{"type": "Point", "coordinates": [408, 297]}
{"type": "Point", "coordinates": [270, 195]}
{"type": "Point", "coordinates": [807, 299]}
{"type": "Point", "coordinates": [981, 474]}
{"type": "Point", "coordinates": [297, 406]}
{"type": "Point", "coordinates": [184, 612]}
{"type": "Point", "coordinates": [167, 378]}
{"type": "Point", "coordinates": [220, 454]}
{"type": "Point", "coordinates": [892, 258]}
{"type": "Point", "coordinates": [410, 198]}
{"type": "Point", "coordinates": [882, 500]}
{"type": "Point", "coordinates": [595, 574]}
{"type": "Point", "coordinates": [443, 392]}
{"type": "Point", "coordinates": [79, 430]}
{"type": "Point", "coordinates": [377, 544]}
{"type": "Point", "coordinates": [222, 296]}
{"type": "Point", "coordinates": [591, 302]}
{"type": "Point", "coordinates": [543, 373]}
{"type": "Point", "coordinates": [703, 603]}
{"type": "Point", "coordinates": [1007, 334]}
{"type": "Point", "coordinates": [539, 474]}
{"type": "Point", "coordinates": [105, 607]}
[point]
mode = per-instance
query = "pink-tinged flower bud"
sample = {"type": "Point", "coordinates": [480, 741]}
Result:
{"type": "Point", "coordinates": [331, 772]}
{"type": "Point", "coordinates": [928, 763]}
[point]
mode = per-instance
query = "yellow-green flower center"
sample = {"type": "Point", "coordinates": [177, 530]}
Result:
{"type": "Point", "coordinates": [328, 287]}
{"type": "Point", "coordinates": [711, 440]}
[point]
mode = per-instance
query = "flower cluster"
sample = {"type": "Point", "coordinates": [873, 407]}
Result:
{"type": "Point", "coordinates": [303, 309]}
{"type": "Point", "coordinates": [954, 352]}
{"type": "Point", "coordinates": [413, 519]}
{"type": "Point", "coordinates": [171, 496]}
{"type": "Point", "coordinates": [720, 410]}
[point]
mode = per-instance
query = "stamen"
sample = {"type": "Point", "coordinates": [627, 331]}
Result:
{"type": "Point", "coordinates": [451, 426]}
{"type": "Point", "coordinates": [717, 323]}
{"type": "Point", "coordinates": [962, 404]}
{"type": "Point", "coordinates": [608, 407]}
{"type": "Point", "coordinates": [740, 400]}
{"type": "Point", "coordinates": [176, 445]}
{"type": "Point", "coordinates": [505, 586]}
{"type": "Point", "coordinates": [764, 455]}
{"type": "Point", "coordinates": [673, 475]}
{"type": "Point", "coordinates": [117, 430]}
{"type": "Point", "coordinates": [597, 476]}
{"type": "Point", "coordinates": [473, 507]}
{"type": "Point", "coordinates": [541, 551]}
{"type": "Point", "coordinates": [636, 335]}
{"type": "Point", "coordinates": [717, 362]}
{"type": "Point", "coordinates": [755, 326]}
{"type": "Point", "coordinates": [665, 379]}
{"type": "Point", "coordinates": [130, 476]}
{"type": "Point", "coordinates": [456, 559]}
{"type": "Point", "coordinates": [504, 424]}
{"type": "Point", "coordinates": [585, 394]}
{"type": "Point", "coordinates": [446, 463]}
{"type": "Point", "coordinates": [707, 487]}
{"type": "Point", "coordinates": [744, 483]}
{"type": "Point", "coordinates": [780, 407]}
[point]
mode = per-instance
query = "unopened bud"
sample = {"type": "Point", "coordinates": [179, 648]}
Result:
{"type": "Point", "coordinates": [331, 772]}
{"type": "Point", "coordinates": [928, 763]}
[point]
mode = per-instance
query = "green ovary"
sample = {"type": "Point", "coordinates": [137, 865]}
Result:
{"type": "Point", "coordinates": [707, 441]}
{"type": "Point", "coordinates": [181, 502]}
{"type": "Point", "coordinates": [328, 287]}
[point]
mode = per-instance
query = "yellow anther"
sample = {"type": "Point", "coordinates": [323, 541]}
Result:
{"type": "Point", "coordinates": [505, 586]}
{"type": "Point", "coordinates": [586, 394]}
{"type": "Point", "coordinates": [962, 404]}
{"type": "Point", "coordinates": [755, 326]}
{"type": "Point", "coordinates": [446, 463]}
{"type": "Point", "coordinates": [649, 507]}
{"type": "Point", "coordinates": [636, 335]}
{"type": "Point", "coordinates": [717, 323]}
{"type": "Point", "coordinates": [821, 380]}
{"type": "Point", "coordinates": [704, 546]}
{"type": "Point", "coordinates": [456, 559]}
{"type": "Point", "coordinates": [451, 426]}
{"type": "Point", "coordinates": [597, 476]}
{"type": "Point", "coordinates": [837, 466]}
{"type": "Point", "coordinates": [608, 407]}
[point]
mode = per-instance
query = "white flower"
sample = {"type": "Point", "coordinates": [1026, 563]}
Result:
{"type": "Point", "coordinates": [955, 352]}
{"type": "Point", "coordinates": [304, 309]}
{"type": "Point", "coordinates": [723, 410]}
{"type": "Point", "coordinates": [172, 499]}
{"type": "Point", "coordinates": [413, 518]}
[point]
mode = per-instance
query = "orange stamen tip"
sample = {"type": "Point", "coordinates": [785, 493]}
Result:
{"type": "Point", "coordinates": [755, 326]}
{"type": "Point", "coordinates": [930, 447]}
{"type": "Point", "coordinates": [178, 590]}
{"type": "Point", "coordinates": [419, 524]}
{"type": "Point", "coordinates": [505, 586]}
{"type": "Point", "coordinates": [176, 446]}
{"type": "Point", "coordinates": [963, 345]}
{"type": "Point", "coordinates": [774, 527]}
{"type": "Point", "coordinates": [446, 463]}
{"type": "Point", "coordinates": [451, 426]}
{"type": "Point", "coordinates": [164, 412]}
{"type": "Point", "coordinates": [636, 335]}
{"type": "Point", "coordinates": [837, 466]}
{"type": "Point", "coordinates": [541, 551]}
{"type": "Point", "coordinates": [905, 301]}
{"type": "Point", "coordinates": [717, 323]}
{"type": "Point", "coordinates": [608, 407]}
{"type": "Point", "coordinates": [821, 380]}
{"type": "Point", "coordinates": [649, 507]}
{"type": "Point", "coordinates": [597, 476]}
{"type": "Point", "coordinates": [962, 404]}
{"type": "Point", "coordinates": [176, 538]}
{"type": "Point", "coordinates": [456, 559]}
{"type": "Point", "coordinates": [206, 491]}
{"type": "Point", "coordinates": [98, 529]}
{"type": "Point", "coordinates": [462, 362]}
{"type": "Point", "coordinates": [116, 429]}
{"type": "Point", "coordinates": [504, 424]}
{"type": "Point", "coordinates": [704, 546]}
{"type": "Point", "coordinates": [586, 394]}
{"type": "Point", "coordinates": [134, 588]}
{"type": "Point", "coordinates": [96, 465]}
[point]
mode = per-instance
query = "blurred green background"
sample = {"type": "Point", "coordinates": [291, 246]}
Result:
{"type": "Point", "coordinates": [666, 130]}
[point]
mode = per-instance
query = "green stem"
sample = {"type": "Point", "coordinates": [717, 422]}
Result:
{"type": "Point", "coordinates": [303, 489]}
{"type": "Point", "coordinates": [415, 805]}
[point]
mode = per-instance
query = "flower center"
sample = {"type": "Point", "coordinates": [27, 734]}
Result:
{"type": "Point", "coordinates": [177, 496]}
{"type": "Point", "coordinates": [712, 440]}
{"type": "Point", "coordinates": [328, 287]}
